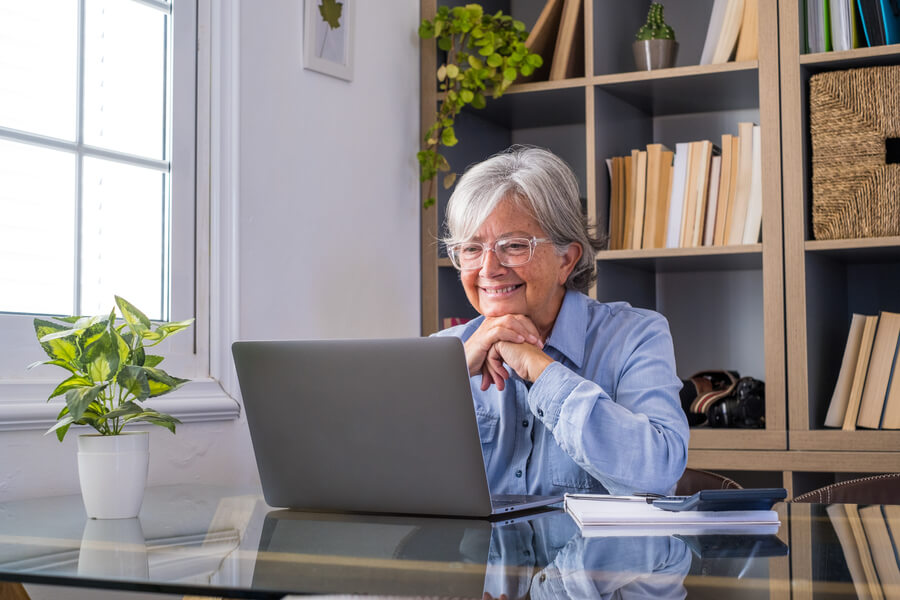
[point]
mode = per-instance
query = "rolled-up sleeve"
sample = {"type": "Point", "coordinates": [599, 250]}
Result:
{"type": "Point", "coordinates": [633, 437]}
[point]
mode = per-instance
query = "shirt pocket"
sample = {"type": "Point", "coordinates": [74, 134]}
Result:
{"type": "Point", "coordinates": [487, 431]}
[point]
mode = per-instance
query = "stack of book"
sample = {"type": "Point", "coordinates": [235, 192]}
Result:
{"type": "Point", "coordinates": [868, 537]}
{"type": "Point", "coordinates": [702, 194]}
{"type": "Point", "coordinates": [867, 394]}
{"type": "Point", "coordinates": [733, 31]}
{"type": "Point", "coordinates": [558, 37]}
{"type": "Point", "coordinates": [847, 24]}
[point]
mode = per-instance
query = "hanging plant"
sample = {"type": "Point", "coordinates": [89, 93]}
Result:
{"type": "Point", "coordinates": [484, 55]}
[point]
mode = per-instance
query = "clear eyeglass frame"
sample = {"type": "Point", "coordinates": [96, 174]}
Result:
{"type": "Point", "coordinates": [501, 249]}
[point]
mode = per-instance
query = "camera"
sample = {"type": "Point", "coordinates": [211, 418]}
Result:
{"type": "Point", "coordinates": [745, 407]}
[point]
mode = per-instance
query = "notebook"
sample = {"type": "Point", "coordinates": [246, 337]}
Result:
{"type": "Point", "coordinates": [382, 425]}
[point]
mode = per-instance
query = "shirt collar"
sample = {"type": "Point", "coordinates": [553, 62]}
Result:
{"type": "Point", "coordinates": [570, 329]}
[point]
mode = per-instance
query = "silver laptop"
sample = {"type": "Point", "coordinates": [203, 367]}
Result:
{"type": "Point", "coordinates": [384, 426]}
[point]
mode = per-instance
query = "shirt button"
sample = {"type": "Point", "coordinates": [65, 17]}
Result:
{"type": "Point", "coordinates": [518, 472]}
{"type": "Point", "coordinates": [540, 412]}
{"type": "Point", "coordinates": [524, 422]}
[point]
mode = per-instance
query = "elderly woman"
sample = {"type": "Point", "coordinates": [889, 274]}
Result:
{"type": "Point", "coordinates": [571, 394]}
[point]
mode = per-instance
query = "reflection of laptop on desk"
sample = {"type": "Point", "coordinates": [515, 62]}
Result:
{"type": "Point", "coordinates": [383, 426]}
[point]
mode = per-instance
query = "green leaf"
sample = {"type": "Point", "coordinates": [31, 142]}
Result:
{"type": "Point", "coordinates": [509, 74]}
{"type": "Point", "coordinates": [479, 101]}
{"type": "Point", "coordinates": [161, 382]}
{"type": "Point", "coordinates": [466, 95]}
{"type": "Point", "coordinates": [331, 12]}
{"type": "Point", "coordinates": [475, 62]}
{"type": "Point", "coordinates": [58, 363]}
{"type": "Point", "coordinates": [452, 71]}
{"type": "Point", "coordinates": [75, 381]}
{"type": "Point", "coordinates": [448, 137]}
{"type": "Point", "coordinates": [156, 418]}
{"type": "Point", "coordinates": [164, 330]}
{"type": "Point", "coordinates": [78, 399]}
{"type": "Point", "coordinates": [101, 358]}
{"type": "Point", "coordinates": [151, 360]}
{"type": "Point", "coordinates": [426, 30]}
{"type": "Point", "coordinates": [122, 347]}
{"type": "Point", "coordinates": [59, 348]}
{"type": "Point", "coordinates": [125, 410]}
{"type": "Point", "coordinates": [133, 380]}
{"type": "Point", "coordinates": [137, 321]}
{"type": "Point", "coordinates": [61, 427]}
{"type": "Point", "coordinates": [494, 60]}
{"type": "Point", "coordinates": [445, 43]}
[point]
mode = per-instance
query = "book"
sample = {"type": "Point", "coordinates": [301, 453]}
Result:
{"type": "Point", "coordinates": [659, 240]}
{"type": "Point", "coordinates": [841, 26]}
{"type": "Point", "coordinates": [882, 548]}
{"type": "Point", "coordinates": [872, 588]}
{"type": "Point", "coordinates": [840, 522]}
{"type": "Point", "coordinates": [689, 211]}
{"type": "Point", "coordinates": [890, 21]}
{"type": "Point", "coordinates": [818, 25]}
{"type": "Point", "coordinates": [655, 203]}
{"type": "Point", "coordinates": [620, 177]}
{"type": "Point", "coordinates": [890, 418]}
{"type": "Point", "coordinates": [676, 197]}
{"type": "Point", "coordinates": [737, 215]}
{"type": "Point", "coordinates": [706, 151]}
{"type": "Point", "coordinates": [448, 322]}
{"type": "Point", "coordinates": [567, 54]}
{"type": "Point", "coordinates": [859, 373]}
{"type": "Point", "coordinates": [881, 363]}
{"type": "Point", "coordinates": [542, 38]}
{"type": "Point", "coordinates": [753, 220]}
{"type": "Point", "coordinates": [592, 510]}
{"type": "Point", "coordinates": [712, 200]}
{"type": "Point", "coordinates": [748, 38]}
{"type": "Point", "coordinates": [639, 164]}
{"type": "Point", "coordinates": [713, 31]}
{"type": "Point", "coordinates": [725, 179]}
{"type": "Point", "coordinates": [837, 408]}
{"type": "Point", "coordinates": [731, 26]}
{"type": "Point", "coordinates": [628, 220]}
{"type": "Point", "coordinates": [870, 22]}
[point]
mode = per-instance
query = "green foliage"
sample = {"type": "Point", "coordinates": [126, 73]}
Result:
{"type": "Point", "coordinates": [331, 12]}
{"type": "Point", "coordinates": [655, 28]}
{"type": "Point", "coordinates": [484, 56]}
{"type": "Point", "coordinates": [110, 372]}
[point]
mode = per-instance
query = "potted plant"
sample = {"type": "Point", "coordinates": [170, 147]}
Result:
{"type": "Point", "coordinates": [484, 53]}
{"type": "Point", "coordinates": [110, 377]}
{"type": "Point", "coordinates": [655, 46]}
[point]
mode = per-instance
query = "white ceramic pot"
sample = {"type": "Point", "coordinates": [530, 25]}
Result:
{"type": "Point", "coordinates": [112, 470]}
{"type": "Point", "coordinates": [113, 548]}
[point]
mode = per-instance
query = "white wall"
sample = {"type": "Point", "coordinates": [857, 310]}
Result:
{"type": "Point", "coordinates": [326, 235]}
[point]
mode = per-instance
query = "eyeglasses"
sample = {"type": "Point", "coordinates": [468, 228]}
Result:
{"type": "Point", "coordinates": [511, 252]}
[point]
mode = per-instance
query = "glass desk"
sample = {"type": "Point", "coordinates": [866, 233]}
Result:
{"type": "Point", "coordinates": [208, 541]}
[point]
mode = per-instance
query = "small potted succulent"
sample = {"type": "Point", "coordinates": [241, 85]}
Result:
{"type": "Point", "coordinates": [655, 46]}
{"type": "Point", "coordinates": [110, 377]}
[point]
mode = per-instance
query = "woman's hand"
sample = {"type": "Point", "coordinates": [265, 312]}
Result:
{"type": "Point", "coordinates": [516, 329]}
{"type": "Point", "coordinates": [526, 360]}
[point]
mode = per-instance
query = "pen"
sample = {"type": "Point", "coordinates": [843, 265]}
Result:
{"type": "Point", "coordinates": [649, 496]}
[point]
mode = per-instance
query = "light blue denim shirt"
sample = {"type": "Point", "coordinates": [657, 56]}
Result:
{"type": "Point", "coordinates": [605, 417]}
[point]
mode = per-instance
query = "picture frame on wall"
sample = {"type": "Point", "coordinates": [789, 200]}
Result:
{"type": "Point", "coordinates": [328, 37]}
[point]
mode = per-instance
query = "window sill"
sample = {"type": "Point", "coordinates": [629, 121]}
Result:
{"type": "Point", "coordinates": [23, 406]}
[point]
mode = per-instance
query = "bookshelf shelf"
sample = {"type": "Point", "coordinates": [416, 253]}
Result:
{"type": "Point", "coordinates": [858, 57]}
{"type": "Point", "coordinates": [672, 260]}
{"type": "Point", "coordinates": [858, 440]}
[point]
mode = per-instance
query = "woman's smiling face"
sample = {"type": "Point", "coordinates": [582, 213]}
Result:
{"type": "Point", "coordinates": [535, 289]}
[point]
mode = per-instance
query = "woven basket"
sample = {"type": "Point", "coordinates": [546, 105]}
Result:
{"type": "Point", "coordinates": [855, 193]}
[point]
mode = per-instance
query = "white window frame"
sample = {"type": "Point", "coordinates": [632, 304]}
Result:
{"type": "Point", "coordinates": [196, 234]}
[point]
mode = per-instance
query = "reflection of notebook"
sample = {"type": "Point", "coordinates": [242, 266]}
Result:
{"type": "Point", "coordinates": [396, 555]}
{"type": "Point", "coordinates": [384, 426]}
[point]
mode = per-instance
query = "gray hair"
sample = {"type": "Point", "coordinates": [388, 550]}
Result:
{"type": "Point", "coordinates": [540, 183]}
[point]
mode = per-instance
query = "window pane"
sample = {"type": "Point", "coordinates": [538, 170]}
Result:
{"type": "Point", "coordinates": [37, 229]}
{"type": "Point", "coordinates": [124, 226]}
{"type": "Point", "coordinates": [124, 77]}
{"type": "Point", "coordinates": [38, 66]}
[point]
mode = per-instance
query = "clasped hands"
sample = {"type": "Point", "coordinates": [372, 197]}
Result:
{"type": "Point", "coordinates": [510, 339]}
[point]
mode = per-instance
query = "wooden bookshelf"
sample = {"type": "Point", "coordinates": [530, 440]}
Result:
{"type": "Point", "coordinates": [826, 280]}
{"type": "Point", "coordinates": [756, 308]}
